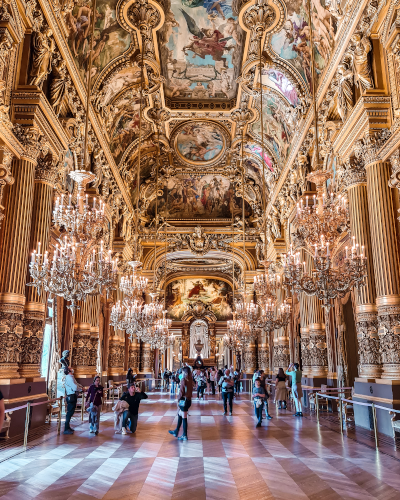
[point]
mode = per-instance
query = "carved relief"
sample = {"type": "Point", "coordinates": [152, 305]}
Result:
{"type": "Point", "coordinates": [11, 332]}
{"type": "Point", "coordinates": [32, 344]}
{"type": "Point", "coordinates": [43, 48]}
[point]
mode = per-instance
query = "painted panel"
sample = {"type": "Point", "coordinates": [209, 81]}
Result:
{"type": "Point", "coordinates": [204, 197]}
{"type": "Point", "coordinates": [110, 40]}
{"type": "Point", "coordinates": [278, 81]}
{"type": "Point", "coordinates": [200, 142]}
{"type": "Point", "coordinates": [213, 292]}
{"type": "Point", "coordinates": [201, 46]}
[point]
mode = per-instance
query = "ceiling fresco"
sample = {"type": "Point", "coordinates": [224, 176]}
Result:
{"type": "Point", "coordinates": [201, 45]}
{"type": "Point", "coordinates": [276, 80]}
{"type": "Point", "coordinates": [199, 142]}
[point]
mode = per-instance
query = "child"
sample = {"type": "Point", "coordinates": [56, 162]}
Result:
{"type": "Point", "coordinates": [260, 396]}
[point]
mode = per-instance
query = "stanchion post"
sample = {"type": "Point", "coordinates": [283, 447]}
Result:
{"type": "Point", "coordinates": [60, 405]}
{"type": "Point", "coordinates": [340, 414]}
{"type": "Point", "coordinates": [27, 417]}
{"type": "Point", "coordinates": [317, 405]}
{"type": "Point", "coordinates": [375, 425]}
{"type": "Point", "coordinates": [82, 405]}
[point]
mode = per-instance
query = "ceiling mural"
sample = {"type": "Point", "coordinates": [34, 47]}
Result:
{"type": "Point", "coordinates": [110, 40]}
{"type": "Point", "coordinates": [201, 45]}
{"type": "Point", "coordinates": [207, 196]}
{"type": "Point", "coordinates": [277, 80]}
{"type": "Point", "coordinates": [213, 292]}
{"type": "Point", "coordinates": [199, 142]}
{"type": "Point", "coordinates": [293, 40]}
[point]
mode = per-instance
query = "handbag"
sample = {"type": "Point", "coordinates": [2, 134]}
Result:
{"type": "Point", "coordinates": [182, 403]}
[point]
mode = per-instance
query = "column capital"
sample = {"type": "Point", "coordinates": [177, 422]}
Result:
{"type": "Point", "coordinates": [354, 173]}
{"type": "Point", "coordinates": [394, 181]}
{"type": "Point", "coordinates": [47, 168]}
{"type": "Point", "coordinates": [367, 148]}
{"type": "Point", "coordinates": [32, 140]}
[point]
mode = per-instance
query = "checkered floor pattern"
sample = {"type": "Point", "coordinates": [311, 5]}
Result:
{"type": "Point", "coordinates": [226, 457]}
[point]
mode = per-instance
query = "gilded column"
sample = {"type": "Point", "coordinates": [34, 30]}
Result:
{"type": "Point", "coordinates": [134, 355]}
{"type": "Point", "coordinates": [95, 352]}
{"type": "Point", "coordinates": [385, 259]}
{"type": "Point", "coordinates": [249, 359]}
{"type": "Point", "coordinates": [317, 340]}
{"type": "Point", "coordinates": [14, 252]}
{"type": "Point", "coordinates": [5, 175]}
{"type": "Point", "coordinates": [145, 358]}
{"type": "Point", "coordinates": [366, 310]}
{"type": "Point", "coordinates": [35, 306]}
{"type": "Point", "coordinates": [263, 353]}
{"type": "Point", "coordinates": [116, 351]}
{"type": "Point", "coordinates": [82, 345]}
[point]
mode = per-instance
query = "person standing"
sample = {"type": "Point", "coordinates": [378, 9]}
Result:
{"type": "Point", "coordinates": [227, 384]}
{"type": "Point", "coordinates": [184, 403]}
{"type": "Point", "coordinates": [259, 399]}
{"type": "Point", "coordinates": [201, 384]}
{"type": "Point", "coordinates": [280, 389]}
{"type": "Point", "coordinates": [295, 373]}
{"type": "Point", "coordinates": [220, 374]}
{"type": "Point", "coordinates": [130, 378]}
{"type": "Point", "coordinates": [71, 391]}
{"type": "Point", "coordinates": [133, 398]}
{"type": "Point", "coordinates": [213, 374]}
{"type": "Point", "coordinates": [237, 375]}
{"type": "Point", "coordinates": [94, 395]}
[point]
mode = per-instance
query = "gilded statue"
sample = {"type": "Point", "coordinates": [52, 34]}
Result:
{"type": "Point", "coordinates": [345, 91]}
{"type": "Point", "coordinates": [59, 86]}
{"type": "Point", "coordinates": [43, 49]}
{"type": "Point", "coordinates": [361, 65]}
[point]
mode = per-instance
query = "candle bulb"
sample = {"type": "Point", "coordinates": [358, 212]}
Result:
{"type": "Point", "coordinates": [327, 248]}
{"type": "Point", "coordinates": [347, 252]}
{"type": "Point", "coordinates": [315, 250]}
{"type": "Point", "coordinates": [306, 201]}
{"type": "Point", "coordinates": [94, 203]}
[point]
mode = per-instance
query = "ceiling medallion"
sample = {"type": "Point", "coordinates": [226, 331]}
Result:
{"type": "Point", "coordinates": [200, 142]}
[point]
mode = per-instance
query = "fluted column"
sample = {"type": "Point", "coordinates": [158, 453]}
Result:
{"type": "Point", "coordinates": [249, 358]}
{"type": "Point", "coordinates": [14, 255]}
{"type": "Point", "coordinates": [366, 310]}
{"type": "Point", "coordinates": [304, 332]}
{"type": "Point", "coordinates": [95, 355]}
{"type": "Point", "coordinates": [385, 262]}
{"type": "Point", "coordinates": [35, 307]}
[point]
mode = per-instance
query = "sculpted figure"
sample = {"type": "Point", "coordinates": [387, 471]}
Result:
{"type": "Point", "coordinates": [59, 86]}
{"type": "Point", "coordinates": [43, 50]}
{"type": "Point", "coordinates": [345, 91]}
{"type": "Point", "coordinates": [362, 68]}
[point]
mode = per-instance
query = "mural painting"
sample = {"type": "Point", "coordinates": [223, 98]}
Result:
{"type": "Point", "coordinates": [292, 42]}
{"type": "Point", "coordinates": [254, 171]}
{"type": "Point", "coordinates": [204, 197]}
{"type": "Point", "coordinates": [201, 46]}
{"type": "Point", "coordinates": [200, 142]}
{"type": "Point", "coordinates": [256, 150]}
{"type": "Point", "coordinates": [278, 125]}
{"type": "Point", "coordinates": [276, 80]}
{"type": "Point", "coordinates": [110, 40]}
{"type": "Point", "coordinates": [119, 81]}
{"type": "Point", "coordinates": [213, 292]}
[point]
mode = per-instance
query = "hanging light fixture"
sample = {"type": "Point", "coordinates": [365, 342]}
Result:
{"type": "Point", "coordinates": [321, 224]}
{"type": "Point", "coordinates": [80, 265]}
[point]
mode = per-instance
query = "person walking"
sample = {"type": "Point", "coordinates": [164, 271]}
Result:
{"type": "Point", "coordinates": [220, 374]}
{"type": "Point", "coordinates": [184, 403]}
{"type": "Point", "coordinates": [130, 378]}
{"type": "Point", "coordinates": [201, 384]}
{"type": "Point", "coordinates": [94, 397]}
{"type": "Point", "coordinates": [227, 384]}
{"type": "Point", "coordinates": [280, 389]}
{"type": "Point", "coordinates": [297, 392]}
{"type": "Point", "coordinates": [72, 388]}
{"type": "Point", "coordinates": [259, 399]}
{"type": "Point", "coordinates": [213, 374]}
{"type": "Point", "coordinates": [133, 398]}
{"type": "Point", "coordinates": [237, 375]}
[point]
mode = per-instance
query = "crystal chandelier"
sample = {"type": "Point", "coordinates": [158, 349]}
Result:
{"type": "Point", "coordinates": [321, 225]}
{"type": "Point", "coordinates": [133, 285]}
{"type": "Point", "coordinates": [267, 284]}
{"type": "Point", "coordinates": [80, 266]}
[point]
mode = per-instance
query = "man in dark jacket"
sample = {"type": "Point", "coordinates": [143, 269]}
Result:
{"type": "Point", "coordinates": [133, 398]}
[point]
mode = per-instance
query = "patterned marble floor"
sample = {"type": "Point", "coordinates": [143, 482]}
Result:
{"type": "Point", "coordinates": [225, 458]}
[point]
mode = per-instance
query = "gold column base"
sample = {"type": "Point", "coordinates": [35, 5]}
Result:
{"type": "Point", "coordinates": [32, 341]}
{"type": "Point", "coordinates": [391, 371]}
{"type": "Point", "coordinates": [370, 371]}
{"type": "Point", "coordinates": [318, 371]}
{"type": "Point", "coordinates": [11, 333]}
{"type": "Point", "coordinates": [9, 371]}
{"type": "Point", "coordinates": [134, 357]}
{"type": "Point", "coordinates": [263, 361]}
{"type": "Point", "coordinates": [249, 359]}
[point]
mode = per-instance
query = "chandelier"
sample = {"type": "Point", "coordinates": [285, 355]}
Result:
{"type": "Point", "coordinates": [80, 266]}
{"type": "Point", "coordinates": [321, 226]}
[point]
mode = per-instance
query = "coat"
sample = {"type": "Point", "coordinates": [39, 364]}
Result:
{"type": "Point", "coordinates": [118, 410]}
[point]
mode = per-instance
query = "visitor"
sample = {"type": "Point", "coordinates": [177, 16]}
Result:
{"type": "Point", "coordinates": [172, 382]}
{"type": "Point", "coordinates": [256, 374]}
{"type": "Point", "coordinates": [227, 385]}
{"type": "Point", "coordinates": [295, 373]}
{"type": "Point", "coordinates": [213, 375]}
{"type": "Point", "coordinates": [237, 375]}
{"type": "Point", "coordinates": [201, 384]}
{"type": "Point", "coordinates": [184, 403]}
{"type": "Point", "coordinates": [280, 389]}
{"type": "Point", "coordinates": [133, 398]}
{"type": "Point", "coordinates": [94, 397]}
{"type": "Point", "coordinates": [220, 374]}
{"type": "Point", "coordinates": [259, 399]}
{"type": "Point", "coordinates": [166, 377]}
{"type": "Point", "coordinates": [72, 388]}
{"type": "Point", "coordinates": [130, 378]}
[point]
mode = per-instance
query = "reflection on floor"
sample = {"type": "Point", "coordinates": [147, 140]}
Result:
{"type": "Point", "coordinates": [225, 458]}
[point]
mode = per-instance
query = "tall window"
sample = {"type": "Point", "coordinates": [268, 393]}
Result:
{"type": "Point", "coordinates": [47, 344]}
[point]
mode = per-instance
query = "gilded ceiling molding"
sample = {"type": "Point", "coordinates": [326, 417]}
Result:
{"type": "Point", "coordinates": [57, 24]}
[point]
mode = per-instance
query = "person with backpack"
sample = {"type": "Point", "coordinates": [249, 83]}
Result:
{"type": "Point", "coordinates": [227, 385]}
{"type": "Point", "coordinates": [201, 384]}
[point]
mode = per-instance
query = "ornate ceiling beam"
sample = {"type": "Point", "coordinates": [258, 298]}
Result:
{"type": "Point", "coordinates": [58, 29]}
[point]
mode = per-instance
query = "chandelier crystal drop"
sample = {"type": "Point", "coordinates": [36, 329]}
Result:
{"type": "Point", "coordinates": [80, 265]}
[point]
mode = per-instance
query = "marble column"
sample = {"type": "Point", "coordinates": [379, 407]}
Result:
{"type": "Point", "coordinates": [36, 305]}
{"type": "Point", "coordinates": [14, 254]}
{"type": "Point", "coordinates": [366, 310]}
{"type": "Point", "coordinates": [385, 263]}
